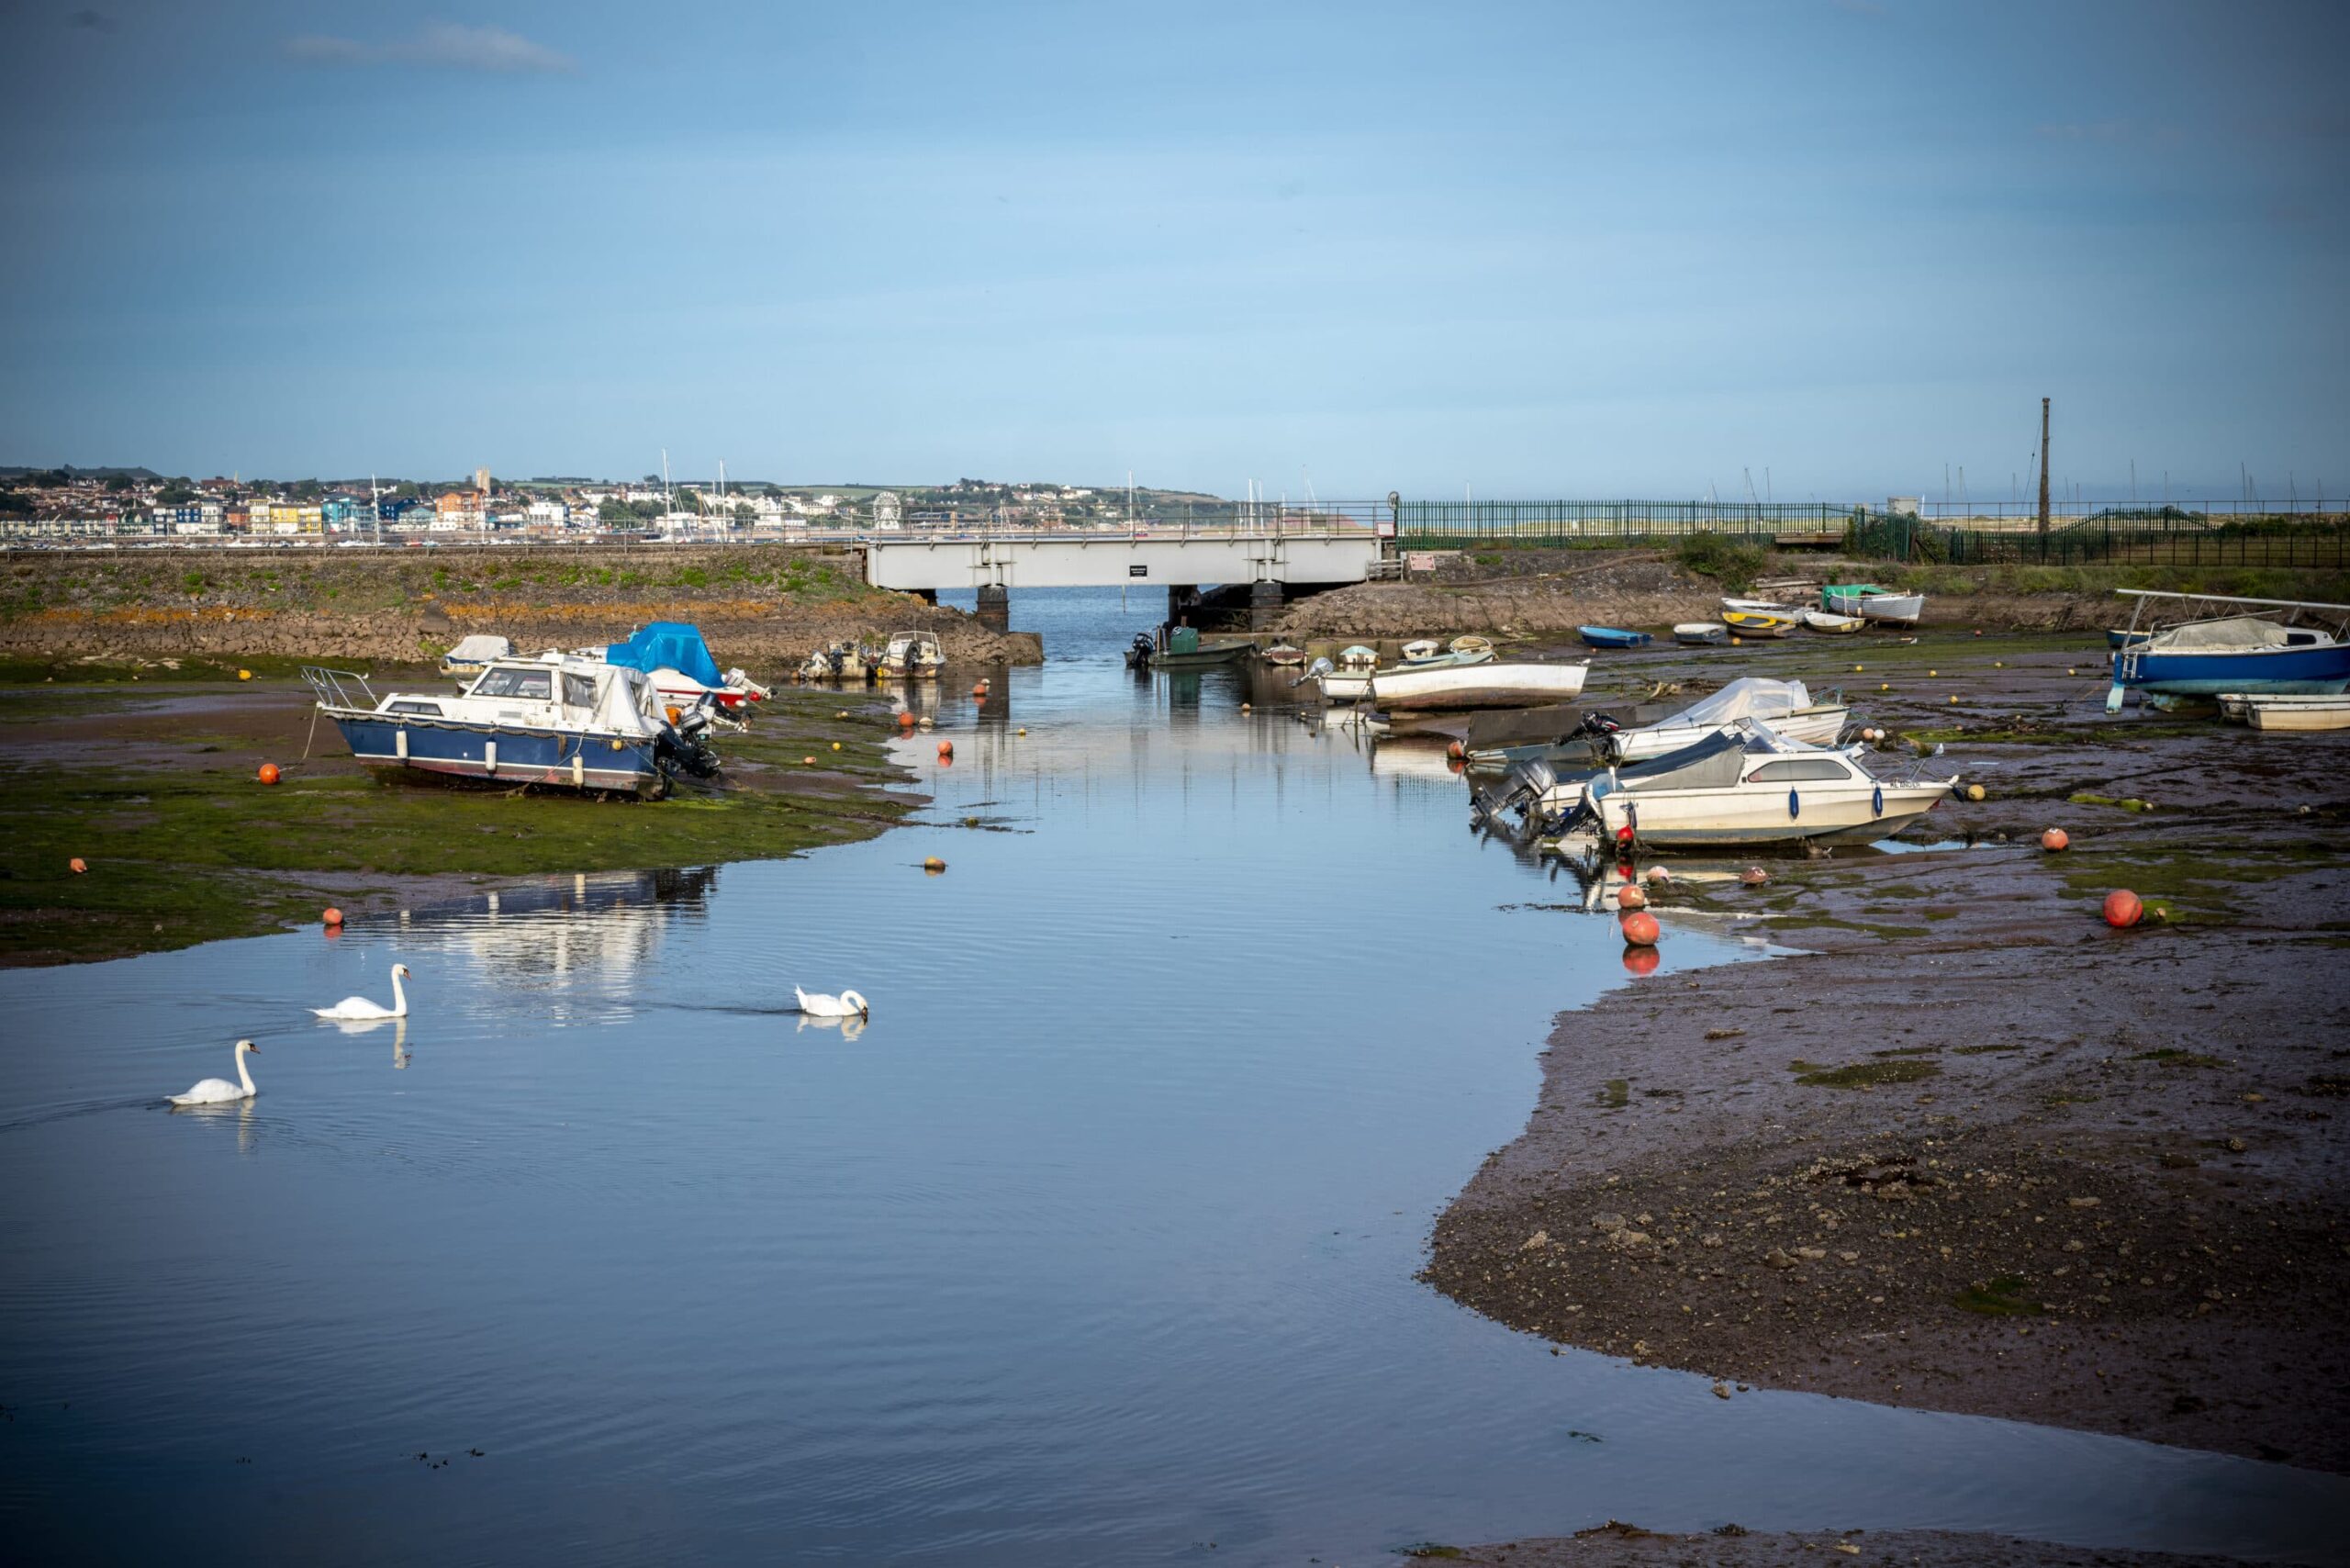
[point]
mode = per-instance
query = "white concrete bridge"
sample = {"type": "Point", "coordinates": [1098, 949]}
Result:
{"type": "Point", "coordinates": [1178, 558]}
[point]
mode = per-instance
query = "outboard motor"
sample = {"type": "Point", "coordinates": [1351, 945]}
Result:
{"type": "Point", "coordinates": [1319, 668]}
{"type": "Point", "coordinates": [1520, 790]}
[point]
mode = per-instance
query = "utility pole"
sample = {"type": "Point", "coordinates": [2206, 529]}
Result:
{"type": "Point", "coordinates": [2044, 467]}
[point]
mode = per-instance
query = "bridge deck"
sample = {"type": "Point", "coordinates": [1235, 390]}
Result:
{"type": "Point", "coordinates": [1102, 559]}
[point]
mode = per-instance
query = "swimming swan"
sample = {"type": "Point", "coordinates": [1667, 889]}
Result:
{"type": "Point", "coordinates": [219, 1091]}
{"type": "Point", "coordinates": [846, 1004]}
{"type": "Point", "coordinates": [360, 1007]}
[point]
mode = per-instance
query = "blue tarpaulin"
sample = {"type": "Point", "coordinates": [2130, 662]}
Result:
{"type": "Point", "coordinates": [667, 644]}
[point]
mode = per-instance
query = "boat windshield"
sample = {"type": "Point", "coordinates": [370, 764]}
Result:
{"type": "Point", "coordinates": [578, 691]}
{"type": "Point", "coordinates": [507, 682]}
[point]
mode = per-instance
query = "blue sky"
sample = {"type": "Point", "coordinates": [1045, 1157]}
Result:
{"type": "Point", "coordinates": [1562, 249]}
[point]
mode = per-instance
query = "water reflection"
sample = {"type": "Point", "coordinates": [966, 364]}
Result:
{"type": "Point", "coordinates": [604, 925]}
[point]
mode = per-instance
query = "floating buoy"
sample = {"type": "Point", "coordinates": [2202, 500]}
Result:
{"type": "Point", "coordinates": [244, 675]}
{"type": "Point", "coordinates": [946, 748]}
{"type": "Point", "coordinates": [1975, 792]}
{"type": "Point", "coordinates": [2055, 838]}
{"type": "Point", "coordinates": [77, 865]}
{"type": "Point", "coordinates": [842, 714]}
{"type": "Point", "coordinates": [1624, 834]}
{"type": "Point", "coordinates": [1641, 928]}
{"type": "Point", "coordinates": [1246, 708]}
{"type": "Point", "coordinates": [2072, 672]}
{"type": "Point", "coordinates": [836, 745]}
{"type": "Point", "coordinates": [1630, 897]}
{"type": "Point", "coordinates": [1978, 631]}
{"type": "Point", "coordinates": [925, 722]}
{"type": "Point", "coordinates": [1455, 751]}
{"type": "Point", "coordinates": [1755, 875]}
{"type": "Point", "coordinates": [1020, 732]}
{"type": "Point", "coordinates": [934, 865]}
{"type": "Point", "coordinates": [1856, 670]}
{"type": "Point", "coordinates": [981, 689]}
{"type": "Point", "coordinates": [1953, 695]}
{"type": "Point", "coordinates": [1734, 642]}
{"type": "Point", "coordinates": [1659, 874]}
{"type": "Point", "coordinates": [269, 773]}
{"type": "Point", "coordinates": [1933, 672]}
{"type": "Point", "coordinates": [2123, 909]}
{"type": "Point", "coordinates": [905, 719]}
{"type": "Point", "coordinates": [1885, 686]}
{"type": "Point", "coordinates": [808, 762]}
{"type": "Point", "coordinates": [1643, 961]}
{"type": "Point", "coordinates": [331, 915]}
{"type": "Point", "coordinates": [1995, 664]}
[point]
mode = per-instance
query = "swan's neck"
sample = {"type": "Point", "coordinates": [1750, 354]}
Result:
{"type": "Point", "coordinates": [399, 997]}
{"type": "Point", "coordinates": [243, 1076]}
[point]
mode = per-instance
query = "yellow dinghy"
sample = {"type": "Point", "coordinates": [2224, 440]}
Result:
{"type": "Point", "coordinates": [1758, 622]}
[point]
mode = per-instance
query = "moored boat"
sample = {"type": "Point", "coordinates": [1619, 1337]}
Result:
{"type": "Point", "coordinates": [1613, 637]}
{"type": "Point", "coordinates": [1701, 634]}
{"type": "Point", "coordinates": [1512, 684]}
{"type": "Point", "coordinates": [1759, 622]}
{"type": "Point", "coordinates": [1832, 624]}
{"type": "Point", "coordinates": [2250, 650]}
{"type": "Point", "coordinates": [672, 657]}
{"type": "Point", "coordinates": [1744, 784]}
{"type": "Point", "coordinates": [1184, 649]}
{"type": "Point", "coordinates": [1894, 609]}
{"type": "Point", "coordinates": [1786, 705]}
{"type": "Point", "coordinates": [1346, 680]}
{"type": "Point", "coordinates": [1283, 654]}
{"type": "Point", "coordinates": [913, 655]}
{"type": "Point", "coordinates": [2301, 712]}
{"type": "Point", "coordinates": [557, 720]}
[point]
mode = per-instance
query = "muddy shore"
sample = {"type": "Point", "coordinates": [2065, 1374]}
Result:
{"type": "Point", "coordinates": [147, 775]}
{"type": "Point", "coordinates": [1974, 1151]}
{"type": "Point", "coordinates": [1617, 1545]}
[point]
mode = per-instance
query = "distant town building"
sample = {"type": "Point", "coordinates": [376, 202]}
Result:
{"type": "Point", "coordinates": [481, 481]}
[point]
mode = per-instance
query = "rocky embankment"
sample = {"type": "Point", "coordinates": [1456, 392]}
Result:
{"type": "Point", "coordinates": [765, 607]}
{"type": "Point", "coordinates": [1975, 1150]}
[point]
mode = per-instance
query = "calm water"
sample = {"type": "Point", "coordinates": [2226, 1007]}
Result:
{"type": "Point", "coordinates": [1095, 1246]}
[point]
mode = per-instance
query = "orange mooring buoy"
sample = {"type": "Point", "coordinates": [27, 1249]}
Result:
{"type": "Point", "coordinates": [2123, 909]}
{"type": "Point", "coordinates": [2055, 838]}
{"type": "Point", "coordinates": [77, 865]}
{"type": "Point", "coordinates": [981, 689]}
{"type": "Point", "coordinates": [331, 915]}
{"type": "Point", "coordinates": [1455, 751]}
{"type": "Point", "coordinates": [945, 748]}
{"type": "Point", "coordinates": [269, 773]}
{"type": "Point", "coordinates": [1630, 897]}
{"type": "Point", "coordinates": [1641, 928]}
{"type": "Point", "coordinates": [905, 718]}
{"type": "Point", "coordinates": [934, 865]}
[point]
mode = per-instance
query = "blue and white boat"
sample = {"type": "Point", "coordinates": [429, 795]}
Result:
{"type": "Point", "coordinates": [1613, 637]}
{"type": "Point", "coordinates": [556, 719]}
{"type": "Point", "coordinates": [2252, 648]}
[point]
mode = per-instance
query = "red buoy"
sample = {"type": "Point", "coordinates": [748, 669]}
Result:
{"type": "Point", "coordinates": [945, 749]}
{"type": "Point", "coordinates": [2055, 838]}
{"type": "Point", "coordinates": [1755, 875]}
{"type": "Point", "coordinates": [2123, 909]}
{"type": "Point", "coordinates": [269, 774]}
{"type": "Point", "coordinates": [1624, 834]}
{"type": "Point", "coordinates": [980, 691]}
{"type": "Point", "coordinates": [1630, 897]}
{"type": "Point", "coordinates": [1641, 928]}
{"type": "Point", "coordinates": [906, 719]}
{"type": "Point", "coordinates": [332, 916]}
{"type": "Point", "coordinates": [1455, 751]}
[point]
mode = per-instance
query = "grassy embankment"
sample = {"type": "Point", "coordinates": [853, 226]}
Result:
{"type": "Point", "coordinates": [185, 845]}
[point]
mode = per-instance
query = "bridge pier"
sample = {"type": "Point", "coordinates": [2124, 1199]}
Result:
{"type": "Point", "coordinates": [995, 608]}
{"type": "Point", "coordinates": [1264, 605]}
{"type": "Point", "coordinates": [1182, 599]}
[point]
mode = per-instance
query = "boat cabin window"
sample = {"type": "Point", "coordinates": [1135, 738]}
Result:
{"type": "Point", "coordinates": [432, 708]}
{"type": "Point", "coordinates": [1797, 768]}
{"type": "Point", "coordinates": [578, 691]}
{"type": "Point", "coordinates": [536, 683]}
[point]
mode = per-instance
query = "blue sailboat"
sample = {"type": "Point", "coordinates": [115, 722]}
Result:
{"type": "Point", "coordinates": [2246, 649]}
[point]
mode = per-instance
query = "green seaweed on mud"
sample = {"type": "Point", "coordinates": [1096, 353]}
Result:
{"type": "Point", "coordinates": [1864, 1074]}
{"type": "Point", "coordinates": [1614, 1095]}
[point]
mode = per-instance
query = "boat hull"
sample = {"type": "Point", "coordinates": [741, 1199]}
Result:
{"type": "Point", "coordinates": [1701, 635]}
{"type": "Point", "coordinates": [1757, 623]}
{"type": "Point", "coordinates": [1892, 609]}
{"type": "Point", "coordinates": [1816, 725]}
{"type": "Point", "coordinates": [1840, 813]}
{"type": "Point", "coordinates": [503, 754]}
{"type": "Point", "coordinates": [1613, 637]}
{"type": "Point", "coordinates": [1463, 687]}
{"type": "Point", "coordinates": [1831, 625]}
{"type": "Point", "coordinates": [1203, 655]}
{"type": "Point", "coordinates": [2319, 671]}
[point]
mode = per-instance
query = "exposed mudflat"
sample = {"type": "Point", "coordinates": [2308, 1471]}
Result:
{"type": "Point", "coordinates": [1975, 1151]}
{"type": "Point", "coordinates": [1617, 1545]}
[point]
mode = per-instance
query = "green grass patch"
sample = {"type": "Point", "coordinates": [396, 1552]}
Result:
{"type": "Point", "coordinates": [1613, 1096]}
{"type": "Point", "coordinates": [1864, 1074]}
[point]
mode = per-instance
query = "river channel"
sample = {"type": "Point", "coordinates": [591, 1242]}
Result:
{"type": "Point", "coordinates": [1095, 1246]}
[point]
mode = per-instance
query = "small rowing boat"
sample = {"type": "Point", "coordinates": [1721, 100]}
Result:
{"type": "Point", "coordinates": [1613, 637]}
{"type": "Point", "coordinates": [1833, 625]}
{"type": "Point", "coordinates": [1760, 622]}
{"type": "Point", "coordinates": [2301, 711]}
{"type": "Point", "coordinates": [1701, 634]}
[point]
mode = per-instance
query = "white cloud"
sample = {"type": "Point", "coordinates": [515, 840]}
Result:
{"type": "Point", "coordinates": [450, 46]}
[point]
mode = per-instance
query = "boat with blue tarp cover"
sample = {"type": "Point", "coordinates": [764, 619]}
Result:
{"type": "Point", "coordinates": [672, 655]}
{"type": "Point", "coordinates": [1613, 637]}
{"type": "Point", "coordinates": [556, 720]}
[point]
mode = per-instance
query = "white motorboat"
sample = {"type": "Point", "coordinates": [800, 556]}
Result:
{"type": "Point", "coordinates": [1893, 608]}
{"type": "Point", "coordinates": [1453, 688]}
{"type": "Point", "coordinates": [1345, 681]}
{"type": "Point", "coordinates": [1745, 784]}
{"type": "Point", "coordinates": [913, 655]}
{"type": "Point", "coordinates": [2302, 712]}
{"type": "Point", "coordinates": [1786, 705]}
{"type": "Point", "coordinates": [1833, 625]}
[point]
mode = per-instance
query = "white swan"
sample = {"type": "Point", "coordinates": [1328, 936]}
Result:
{"type": "Point", "coordinates": [352, 1007]}
{"type": "Point", "coordinates": [219, 1091]}
{"type": "Point", "coordinates": [846, 1004]}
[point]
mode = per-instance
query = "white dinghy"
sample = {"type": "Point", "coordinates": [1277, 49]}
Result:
{"type": "Point", "coordinates": [1786, 705]}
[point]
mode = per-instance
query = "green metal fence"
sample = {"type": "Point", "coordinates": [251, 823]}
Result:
{"type": "Point", "coordinates": [2122, 538]}
{"type": "Point", "coordinates": [1460, 525]}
